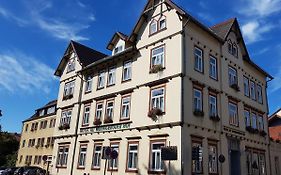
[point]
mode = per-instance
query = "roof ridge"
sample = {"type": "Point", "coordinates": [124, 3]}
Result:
{"type": "Point", "coordinates": [75, 42]}
{"type": "Point", "coordinates": [223, 23]}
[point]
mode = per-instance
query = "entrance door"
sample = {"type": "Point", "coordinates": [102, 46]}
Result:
{"type": "Point", "coordinates": [235, 162]}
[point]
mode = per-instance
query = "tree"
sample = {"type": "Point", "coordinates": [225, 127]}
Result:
{"type": "Point", "coordinates": [8, 148]}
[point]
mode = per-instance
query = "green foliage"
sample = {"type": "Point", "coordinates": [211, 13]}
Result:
{"type": "Point", "coordinates": [8, 149]}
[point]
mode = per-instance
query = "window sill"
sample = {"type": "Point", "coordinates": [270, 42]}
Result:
{"type": "Point", "coordinates": [131, 171]}
{"type": "Point", "coordinates": [158, 31]}
{"type": "Point", "coordinates": [156, 172]}
{"type": "Point", "coordinates": [109, 85]}
{"type": "Point", "coordinates": [87, 92]}
{"type": "Point", "coordinates": [201, 72]}
{"type": "Point", "coordinates": [124, 81]}
{"type": "Point", "coordinates": [80, 168]}
{"type": "Point", "coordinates": [99, 88]}
{"type": "Point", "coordinates": [95, 169]}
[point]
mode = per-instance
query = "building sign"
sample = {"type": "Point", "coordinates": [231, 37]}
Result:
{"type": "Point", "coordinates": [169, 153]}
{"type": "Point", "coordinates": [119, 126]}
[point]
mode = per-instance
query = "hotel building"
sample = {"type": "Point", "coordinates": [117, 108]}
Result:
{"type": "Point", "coordinates": [172, 82]}
{"type": "Point", "coordinates": [37, 138]}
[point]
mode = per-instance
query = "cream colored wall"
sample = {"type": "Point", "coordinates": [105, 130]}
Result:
{"type": "Point", "coordinates": [39, 133]}
{"type": "Point", "coordinates": [119, 43]}
{"type": "Point", "coordinates": [275, 151]}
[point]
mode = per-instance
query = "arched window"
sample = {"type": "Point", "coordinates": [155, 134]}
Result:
{"type": "Point", "coordinates": [234, 50]}
{"type": "Point", "coordinates": [162, 22]}
{"type": "Point", "coordinates": [153, 27]}
{"type": "Point", "coordinates": [229, 45]}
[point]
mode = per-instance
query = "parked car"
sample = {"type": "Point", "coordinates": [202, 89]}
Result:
{"type": "Point", "coordinates": [1, 170]}
{"type": "Point", "coordinates": [35, 171]}
{"type": "Point", "coordinates": [9, 171]}
{"type": "Point", "coordinates": [21, 170]}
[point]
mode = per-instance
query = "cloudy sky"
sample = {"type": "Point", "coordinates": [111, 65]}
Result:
{"type": "Point", "coordinates": [35, 33]}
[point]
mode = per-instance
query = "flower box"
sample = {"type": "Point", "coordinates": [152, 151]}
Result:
{"type": "Point", "coordinates": [97, 121]}
{"type": "Point", "coordinates": [215, 118]}
{"type": "Point", "coordinates": [156, 68]}
{"type": "Point", "coordinates": [235, 87]}
{"type": "Point", "coordinates": [64, 126]}
{"type": "Point", "coordinates": [108, 120]}
{"type": "Point", "coordinates": [198, 112]}
{"type": "Point", "coordinates": [66, 97]}
{"type": "Point", "coordinates": [154, 113]}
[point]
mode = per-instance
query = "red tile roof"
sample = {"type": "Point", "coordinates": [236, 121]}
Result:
{"type": "Point", "coordinates": [275, 132]}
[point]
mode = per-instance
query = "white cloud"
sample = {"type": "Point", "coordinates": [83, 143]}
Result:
{"type": "Point", "coordinates": [6, 14]}
{"type": "Point", "coordinates": [23, 74]}
{"type": "Point", "coordinates": [253, 31]}
{"type": "Point", "coordinates": [261, 8]}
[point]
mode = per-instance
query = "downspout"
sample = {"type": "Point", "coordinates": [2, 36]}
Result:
{"type": "Point", "coordinates": [220, 104]}
{"type": "Point", "coordinates": [183, 71]}
{"type": "Point", "coordinates": [77, 123]}
{"type": "Point", "coordinates": [268, 145]}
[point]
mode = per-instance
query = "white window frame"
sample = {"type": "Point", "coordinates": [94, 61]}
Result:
{"type": "Point", "coordinates": [133, 161]}
{"type": "Point", "coordinates": [158, 100]}
{"type": "Point", "coordinates": [158, 56]}
{"type": "Point", "coordinates": [157, 164]}
{"type": "Point", "coordinates": [197, 99]}
{"type": "Point", "coordinates": [66, 117]}
{"type": "Point", "coordinates": [247, 117]}
{"type": "Point", "coordinates": [232, 76]}
{"type": "Point", "coordinates": [198, 59]}
{"type": "Point", "coordinates": [89, 84]}
{"type": "Point", "coordinates": [69, 88]}
{"type": "Point", "coordinates": [127, 71]}
{"type": "Point", "coordinates": [259, 93]}
{"type": "Point", "coordinates": [246, 86]}
{"type": "Point", "coordinates": [62, 156]}
{"type": "Point", "coordinates": [254, 120]}
{"type": "Point", "coordinates": [111, 78]}
{"type": "Point", "coordinates": [213, 159]}
{"type": "Point", "coordinates": [125, 107]}
{"type": "Point", "coordinates": [113, 163]}
{"type": "Point", "coordinates": [213, 105]}
{"type": "Point", "coordinates": [51, 110]}
{"type": "Point", "coordinates": [96, 162]}
{"type": "Point", "coordinates": [86, 115]}
{"type": "Point", "coordinates": [253, 90]}
{"type": "Point", "coordinates": [233, 114]}
{"type": "Point", "coordinates": [162, 19]}
{"type": "Point", "coordinates": [152, 29]}
{"type": "Point", "coordinates": [101, 80]}
{"type": "Point", "coordinates": [110, 109]}
{"type": "Point", "coordinates": [82, 156]}
{"type": "Point", "coordinates": [197, 165]}
{"type": "Point", "coordinates": [213, 68]}
{"type": "Point", "coordinates": [71, 65]}
{"type": "Point", "coordinates": [260, 122]}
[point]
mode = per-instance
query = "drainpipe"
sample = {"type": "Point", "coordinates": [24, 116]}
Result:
{"type": "Point", "coordinates": [183, 71]}
{"type": "Point", "coordinates": [77, 124]}
{"type": "Point", "coordinates": [220, 103]}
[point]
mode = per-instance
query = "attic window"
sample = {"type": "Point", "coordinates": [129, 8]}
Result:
{"type": "Point", "coordinates": [42, 112]}
{"type": "Point", "coordinates": [71, 65]}
{"type": "Point", "coordinates": [162, 23]}
{"type": "Point", "coordinates": [153, 27]}
{"type": "Point", "coordinates": [234, 50]}
{"type": "Point", "coordinates": [118, 49]}
{"type": "Point", "coordinates": [229, 45]}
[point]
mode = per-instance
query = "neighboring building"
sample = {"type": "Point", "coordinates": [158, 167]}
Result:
{"type": "Point", "coordinates": [274, 123]}
{"type": "Point", "coordinates": [171, 82]}
{"type": "Point", "coordinates": [37, 137]}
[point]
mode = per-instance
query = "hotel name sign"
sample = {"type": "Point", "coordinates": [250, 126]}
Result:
{"type": "Point", "coordinates": [114, 127]}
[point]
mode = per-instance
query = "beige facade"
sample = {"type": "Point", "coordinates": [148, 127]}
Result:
{"type": "Point", "coordinates": [37, 138]}
{"type": "Point", "coordinates": [172, 82]}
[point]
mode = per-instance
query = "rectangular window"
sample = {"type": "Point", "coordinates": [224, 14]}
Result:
{"type": "Point", "coordinates": [109, 109]}
{"type": "Point", "coordinates": [276, 163]}
{"type": "Point", "coordinates": [51, 110]}
{"type": "Point", "coordinates": [156, 164]}
{"type": "Point", "coordinates": [86, 116]}
{"type": "Point", "coordinates": [254, 121]}
{"type": "Point", "coordinates": [26, 127]}
{"type": "Point", "coordinates": [255, 161]}
{"type": "Point", "coordinates": [111, 76]}
{"type": "Point", "coordinates": [65, 117]}
{"type": "Point", "coordinates": [23, 143]}
{"type": "Point", "coordinates": [158, 98]}
{"type": "Point", "coordinates": [162, 23]}
{"type": "Point", "coordinates": [70, 65]}
{"type": "Point", "coordinates": [62, 156]}
{"type": "Point", "coordinates": [88, 84]}
{"type": "Point", "coordinates": [101, 79]}
{"type": "Point", "coordinates": [232, 76]}
{"type": "Point", "coordinates": [213, 105]}
{"type": "Point", "coordinates": [97, 156]}
{"type": "Point", "coordinates": [213, 159]}
{"type": "Point", "coordinates": [127, 71]}
{"type": "Point", "coordinates": [197, 100]}
{"type": "Point", "coordinates": [253, 90]}
{"type": "Point", "coordinates": [69, 88]}
{"type": "Point", "coordinates": [99, 109]}
{"type": "Point", "coordinates": [213, 68]}
{"type": "Point", "coordinates": [42, 112]}
{"type": "Point", "coordinates": [157, 56]}
{"type": "Point", "coordinates": [82, 156]}
{"type": "Point", "coordinates": [233, 114]}
{"type": "Point", "coordinates": [260, 123]}
{"type": "Point", "coordinates": [153, 27]}
{"type": "Point", "coordinates": [125, 107]}
{"type": "Point", "coordinates": [197, 157]}
{"type": "Point", "coordinates": [247, 118]}
{"type": "Point", "coordinates": [113, 163]}
{"type": "Point", "coordinates": [198, 61]}
{"type": "Point", "coordinates": [118, 49]}
{"type": "Point", "coordinates": [259, 93]}
{"type": "Point", "coordinates": [132, 156]}
{"type": "Point", "coordinates": [246, 87]}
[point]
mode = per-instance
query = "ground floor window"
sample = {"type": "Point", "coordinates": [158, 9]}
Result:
{"type": "Point", "coordinates": [156, 164]}
{"type": "Point", "coordinates": [113, 163]}
{"type": "Point", "coordinates": [213, 158]}
{"type": "Point", "coordinates": [82, 156]}
{"type": "Point", "coordinates": [197, 156]}
{"type": "Point", "coordinates": [62, 156]}
{"type": "Point", "coordinates": [132, 156]}
{"type": "Point", "coordinates": [255, 161]}
{"type": "Point", "coordinates": [97, 156]}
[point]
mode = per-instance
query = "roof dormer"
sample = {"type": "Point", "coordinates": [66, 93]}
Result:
{"type": "Point", "coordinates": [118, 43]}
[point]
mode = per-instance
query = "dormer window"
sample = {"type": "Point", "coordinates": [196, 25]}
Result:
{"type": "Point", "coordinates": [162, 23]}
{"type": "Point", "coordinates": [234, 50]}
{"type": "Point", "coordinates": [229, 45]}
{"type": "Point", "coordinates": [153, 27]}
{"type": "Point", "coordinates": [71, 65]}
{"type": "Point", "coordinates": [42, 112]}
{"type": "Point", "coordinates": [118, 49]}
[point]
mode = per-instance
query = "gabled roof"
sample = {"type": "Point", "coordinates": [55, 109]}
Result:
{"type": "Point", "coordinates": [86, 56]}
{"type": "Point", "coordinates": [115, 38]}
{"type": "Point", "coordinates": [274, 116]}
{"type": "Point", "coordinates": [36, 114]}
{"type": "Point", "coordinates": [223, 29]}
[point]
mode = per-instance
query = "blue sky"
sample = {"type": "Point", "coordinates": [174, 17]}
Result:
{"type": "Point", "coordinates": [35, 33]}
